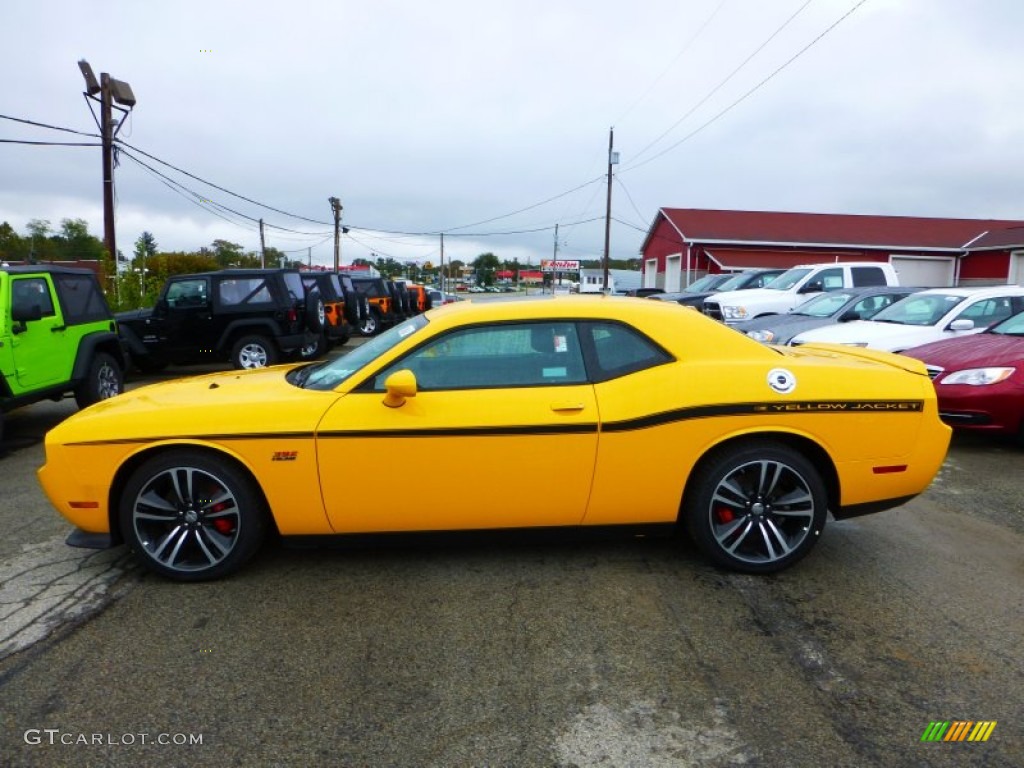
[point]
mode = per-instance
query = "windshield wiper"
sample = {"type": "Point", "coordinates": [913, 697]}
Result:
{"type": "Point", "coordinates": [302, 375]}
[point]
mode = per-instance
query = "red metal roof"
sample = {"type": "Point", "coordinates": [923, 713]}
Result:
{"type": "Point", "coordinates": [702, 225]}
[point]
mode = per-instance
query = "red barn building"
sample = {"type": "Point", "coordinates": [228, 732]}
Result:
{"type": "Point", "coordinates": [683, 244]}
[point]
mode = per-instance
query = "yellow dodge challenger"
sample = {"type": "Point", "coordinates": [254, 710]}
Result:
{"type": "Point", "coordinates": [606, 411]}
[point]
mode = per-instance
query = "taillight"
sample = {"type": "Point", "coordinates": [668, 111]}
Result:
{"type": "Point", "coordinates": [292, 315]}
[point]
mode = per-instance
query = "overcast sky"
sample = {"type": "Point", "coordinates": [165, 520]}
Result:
{"type": "Point", "coordinates": [425, 117]}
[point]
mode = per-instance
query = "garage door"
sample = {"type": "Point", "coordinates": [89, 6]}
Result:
{"type": "Point", "coordinates": [924, 272]}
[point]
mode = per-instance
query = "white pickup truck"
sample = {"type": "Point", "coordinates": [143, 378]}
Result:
{"type": "Point", "coordinates": [794, 287]}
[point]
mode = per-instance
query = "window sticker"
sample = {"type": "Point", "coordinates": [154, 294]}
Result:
{"type": "Point", "coordinates": [561, 344]}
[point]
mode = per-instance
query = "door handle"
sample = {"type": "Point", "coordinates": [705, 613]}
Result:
{"type": "Point", "coordinates": [559, 407]}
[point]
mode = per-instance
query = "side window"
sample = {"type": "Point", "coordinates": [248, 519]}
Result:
{"type": "Point", "coordinates": [508, 355]}
{"type": "Point", "coordinates": [30, 291]}
{"type": "Point", "coordinates": [988, 311]}
{"type": "Point", "coordinates": [187, 293]}
{"type": "Point", "coordinates": [619, 350]}
{"type": "Point", "coordinates": [831, 279]}
{"type": "Point", "coordinates": [868, 276]}
{"type": "Point", "coordinates": [243, 291]}
{"type": "Point", "coordinates": [82, 299]}
{"type": "Point", "coordinates": [871, 305]}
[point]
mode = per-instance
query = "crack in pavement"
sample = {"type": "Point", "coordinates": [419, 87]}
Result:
{"type": "Point", "coordinates": [50, 584]}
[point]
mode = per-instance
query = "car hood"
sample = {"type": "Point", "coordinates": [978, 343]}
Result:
{"type": "Point", "coordinates": [748, 294]}
{"type": "Point", "coordinates": [982, 350]}
{"type": "Point", "coordinates": [220, 404]}
{"type": "Point", "coordinates": [882, 335]}
{"type": "Point", "coordinates": [784, 327]}
{"type": "Point", "coordinates": [134, 314]}
{"type": "Point", "coordinates": [840, 352]}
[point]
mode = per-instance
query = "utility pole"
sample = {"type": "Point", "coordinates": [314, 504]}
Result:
{"type": "Point", "coordinates": [110, 90]}
{"type": "Point", "coordinates": [554, 261]}
{"type": "Point", "coordinates": [336, 208]}
{"type": "Point", "coordinates": [440, 269]}
{"type": "Point", "coordinates": [613, 158]}
{"type": "Point", "coordinates": [263, 248]}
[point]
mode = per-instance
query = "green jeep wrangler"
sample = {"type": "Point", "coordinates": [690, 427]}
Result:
{"type": "Point", "coordinates": [57, 335]}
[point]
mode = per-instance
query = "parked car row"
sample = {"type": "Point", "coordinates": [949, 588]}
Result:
{"type": "Point", "coordinates": [970, 339]}
{"type": "Point", "coordinates": [390, 302]}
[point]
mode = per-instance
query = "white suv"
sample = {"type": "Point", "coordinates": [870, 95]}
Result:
{"type": "Point", "coordinates": [932, 315]}
{"type": "Point", "coordinates": [795, 286]}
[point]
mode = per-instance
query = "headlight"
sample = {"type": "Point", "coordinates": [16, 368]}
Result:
{"type": "Point", "coordinates": [978, 377]}
{"type": "Point", "coordinates": [734, 313]}
{"type": "Point", "coordinates": [763, 336]}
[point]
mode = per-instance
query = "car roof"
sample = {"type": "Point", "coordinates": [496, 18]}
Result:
{"type": "Point", "coordinates": [28, 269]}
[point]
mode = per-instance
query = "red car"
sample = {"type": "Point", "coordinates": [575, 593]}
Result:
{"type": "Point", "coordinates": [979, 379]}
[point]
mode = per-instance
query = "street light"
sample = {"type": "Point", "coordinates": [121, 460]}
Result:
{"type": "Point", "coordinates": [109, 90]}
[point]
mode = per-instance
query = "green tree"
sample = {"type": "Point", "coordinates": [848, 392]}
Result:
{"type": "Point", "coordinates": [12, 246]}
{"type": "Point", "coordinates": [74, 241]}
{"type": "Point", "coordinates": [228, 254]}
{"type": "Point", "coordinates": [485, 265]}
{"type": "Point", "coordinates": [145, 246]}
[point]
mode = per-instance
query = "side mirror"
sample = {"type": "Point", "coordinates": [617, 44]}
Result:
{"type": "Point", "coordinates": [962, 325]}
{"type": "Point", "coordinates": [400, 385]}
{"type": "Point", "coordinates": [815, 286]}
{"type": "Point", "coordinates": [160, 308]}
{"type": "Point", "coordinates": [848, 315]}
{"type": "Point", "coordinates": [22, 312]}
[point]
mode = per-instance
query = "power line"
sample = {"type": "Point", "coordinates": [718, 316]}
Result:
{"type": "Point", "coordinates": [25, 121]}
{"type": "Point", "coordinates": [729, 77]}
{"type": "Point", "coordinates": [743, 98]}
{"type": "Point", "coordinates": [51, 143]}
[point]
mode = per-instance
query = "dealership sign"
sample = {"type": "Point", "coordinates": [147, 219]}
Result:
{"type": "Point", "coordinates": [548, 265]}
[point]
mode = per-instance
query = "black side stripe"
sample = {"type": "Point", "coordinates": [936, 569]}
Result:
{"type": "Point", "coordinates": [777, 408]}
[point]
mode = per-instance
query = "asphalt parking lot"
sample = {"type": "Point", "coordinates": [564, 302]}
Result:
{"type": "Point", "coordinates": [624, 652]}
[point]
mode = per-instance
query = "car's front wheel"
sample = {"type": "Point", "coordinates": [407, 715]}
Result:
{"type": "Point", "coordinates": [103, 379]}
{"type": "Point", "coordinates": [758, 508]}
{"type": "Point", "coordinates": [253, 352]}
{"type": "Point", "coordinates": [316, 348]}
{"type": "Point", "coordinates": [192, 517]}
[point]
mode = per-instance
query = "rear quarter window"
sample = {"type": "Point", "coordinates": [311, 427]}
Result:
{"type": "Point", "coordinates": [868, 276]}
{"type": "Point", "coordinates": [620, 351]}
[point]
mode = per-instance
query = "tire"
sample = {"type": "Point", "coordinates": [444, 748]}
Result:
{"type": "Point", "coordinates": [191, 516]}
{"type": "Point", "coordinates": [104, 379]}
{"type": "Point", "coordinates": [758, 508]}
{"type": "Point", "coordinates": [253, 351]}
{"type": "Point", "coordinates": [317, 349]}
{"type": "Point", "coordinates": [315, 313]}
{"type": "Point", "coordinates": [371, 324]}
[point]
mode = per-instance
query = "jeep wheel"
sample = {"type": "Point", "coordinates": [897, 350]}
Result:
{"type": "Point", "coordinates": [371, 323]}
{"type": "Point", "coordinates": [315, 349]}
{"type": "Point", "coordinates": [253, 352]}
{"type": "Point", "coordinates": [315, 312]}
{"type": "Point", "coordinates": [104, 379]}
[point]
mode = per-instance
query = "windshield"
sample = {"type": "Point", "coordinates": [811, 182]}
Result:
{"type": "Point", "coordinates": [1013, 326]}
{"type": "Point", "coordinates": [329, 376]}
{"type": "Point", "coordinates": [825, 305]}
{"type": "Point", "coordinates": [705, 283]}
{"type": "Point", "coordinates": [921, 309]}
{"type": "Point", "coordinates": [736, 281]}
{"type": "Point", "coordinates": [788, 279]}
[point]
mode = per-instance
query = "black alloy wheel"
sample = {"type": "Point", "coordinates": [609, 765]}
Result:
{"type": "Point", "coordinates": [191, 516]}
{"type": "Point", "coordinates": [758, 508]}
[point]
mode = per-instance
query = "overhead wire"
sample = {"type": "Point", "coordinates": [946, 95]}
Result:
{"type": "Point", "coordinates": [749, 93]}
{"type": "Point", "coordinates": [722, 83]}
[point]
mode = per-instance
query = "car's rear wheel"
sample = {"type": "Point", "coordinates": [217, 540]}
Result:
{"type": "Point", "coordinates": [758, 508]}
{"type": "Point", "coordinates": [192, 517]}
{"type": "Point", "coordinates": [104, 379]}
{"type": "Point", "coordinates": [253, 352]}
{"type": "Point", "coordinates": [371, 323]}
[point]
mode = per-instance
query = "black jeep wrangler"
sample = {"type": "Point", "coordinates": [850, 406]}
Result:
{"type": "Point", "coordinates": [250, 317]}
{"type": "Point", "coordinates": [344, 309]}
